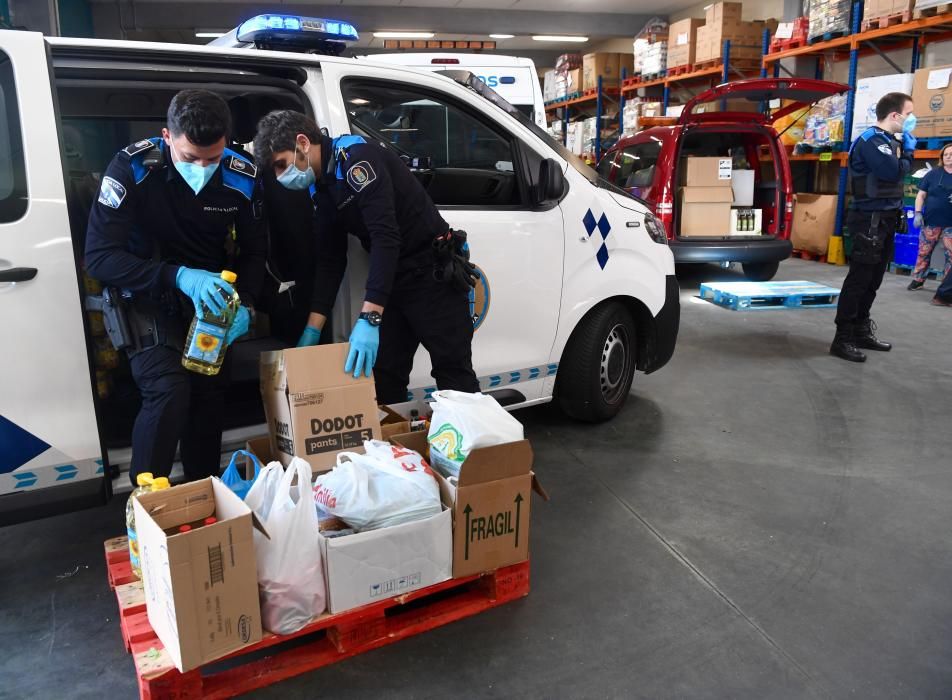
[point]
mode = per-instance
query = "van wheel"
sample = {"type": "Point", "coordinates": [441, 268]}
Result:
{"type": "Point", "coordinates": [598, 365]}
{"type": "Point", "coordinates": [760, 272]}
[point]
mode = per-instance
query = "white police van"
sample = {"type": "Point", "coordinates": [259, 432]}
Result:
{"type": "Point", "coordinates": [515, 78]}
{"type": "Point", "coordinates": [578, 289]}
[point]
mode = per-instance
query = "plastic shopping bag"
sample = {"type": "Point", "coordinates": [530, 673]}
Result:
{"type": "Point", "coordinates": [462, 422]}
{"type": "Point", "coordinates": [386, 486]}
{"type": "Point", "coordinates": [290, 569]}
{"type": "Point", "coordinates": [232, 478]}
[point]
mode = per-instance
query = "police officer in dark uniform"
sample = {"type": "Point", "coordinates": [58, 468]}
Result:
{"type": "Point", "coordinates": [172, 212]}
{"type": "Point", "coordinates": [418, 285]}
{"type": "Point", "coordinates": [877, 166]}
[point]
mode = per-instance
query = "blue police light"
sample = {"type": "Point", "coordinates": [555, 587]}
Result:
{"type": "Point", "coordinates": [294, 29]}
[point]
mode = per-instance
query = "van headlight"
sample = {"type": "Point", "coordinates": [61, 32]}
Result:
{"type": "Point", "coordinates": [655, 229]}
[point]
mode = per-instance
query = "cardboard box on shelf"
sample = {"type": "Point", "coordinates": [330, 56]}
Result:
{"type": "Point", "coordinates": [370, 566]}
{"type": "Point", "coordinates": [709, 172]}
{"type": "Point", "coordinates": [682, 41]}
{"type": "Point", "coordinates": [608, 66]}
{"type": "Point", "coordinates": [705, 211]}
{"type": "Point", "coordinates": [932, 95]}
{"type": "Point", "coordinates": [314, 409]}
{"type": "Point", "coordinates": [491, 504]}
{"type": "Point", "coordinates": [201, 587]}
{"type": "Point", "coordinates": [568, 83]}
{"type": "Point", "coordinates": [869, 91]}
{"type": "Point", "coordinates": [814, 216]}
{"type": "Point", "coordinates": [723, 11]}
{"type": "Point", "coordinates": [550, 90]}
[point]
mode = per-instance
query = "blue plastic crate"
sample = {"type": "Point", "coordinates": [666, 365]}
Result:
{"type": "Point", "coordinates": [906, 249]}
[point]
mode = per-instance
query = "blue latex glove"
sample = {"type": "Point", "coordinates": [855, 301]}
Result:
{"type": "Point", "coordinates": [239, 326]}
{"type": "Point", "coordinates": [202, 287]}
{"type": "Point", "coordinates": [364, 342]}
{"type": "Point", "coordinates": [310, 336]}
{"type": "Point", "coordinates": [908, 142]}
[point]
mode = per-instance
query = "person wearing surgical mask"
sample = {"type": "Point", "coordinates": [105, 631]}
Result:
{"type": "Point", "coordinates": [169, 210]}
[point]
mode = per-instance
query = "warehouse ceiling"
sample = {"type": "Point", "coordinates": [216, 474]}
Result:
{"type": "Point", "coordinates": [473, 20]}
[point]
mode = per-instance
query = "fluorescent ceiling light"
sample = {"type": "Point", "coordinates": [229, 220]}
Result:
{"type": "Point", "coordinates": [545, 37]}
{"type": "Point", "coordinates": [403, 35]}
{"type": "Point", "coordinates": [209, 35]}
{"type": "Point", "coordinates": [502, 36]}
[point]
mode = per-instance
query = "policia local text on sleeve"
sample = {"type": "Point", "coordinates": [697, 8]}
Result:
{"type": "Point", "coordinates": [878, 163]}
{"type": "Point", "coordinates": [159, 234]}
{"type": "Point", "coordinates": [420, 275]}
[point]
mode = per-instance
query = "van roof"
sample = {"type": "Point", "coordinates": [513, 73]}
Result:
{"type": "Point", "coordinates": [465, 59]}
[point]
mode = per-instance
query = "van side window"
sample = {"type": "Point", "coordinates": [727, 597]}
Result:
{"type": "Point", "coordinates": [13, 198]}
{"type": "Point", "coordinates": [605, 166]}
{"type": "Point", "coordinates": [472, 163]}
{"type": "Point", "coordinates": [636, 164]}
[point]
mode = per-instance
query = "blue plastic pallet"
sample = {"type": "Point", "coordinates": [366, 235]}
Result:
{"type": "Point", "coordinates": [754, 296]}
{"type": "Point", "coordinates": [932, 143]}
{"type": "Point", "coordinates": [907, 270]}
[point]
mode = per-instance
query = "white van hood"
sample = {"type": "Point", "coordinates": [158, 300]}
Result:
{"type": "Point", "coordinates": [627, 202]}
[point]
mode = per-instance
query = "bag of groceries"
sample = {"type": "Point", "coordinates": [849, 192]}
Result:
{"type": "Point", "coordinates": [388, 485]}
{"type": "Point", "coordinates": [462, 422]}
{"type": "Point", "coordinates": [290, 570]}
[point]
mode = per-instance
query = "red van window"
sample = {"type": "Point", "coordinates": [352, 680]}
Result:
{"type": "Point", "coordinates": [636, 168]}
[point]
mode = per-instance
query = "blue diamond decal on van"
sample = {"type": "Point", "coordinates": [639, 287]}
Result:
{"type": "Point", "coordinates": [602, 256]}
{"type": "Point", "coordinates": [589, 222]}
{"type": "Point", "coordinates": [604, 227]}
{"type": "Point", "coordinates": [19, 446]}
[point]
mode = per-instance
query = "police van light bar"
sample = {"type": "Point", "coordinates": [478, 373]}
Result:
{"type": "Point", "coordinates": [292, 28]}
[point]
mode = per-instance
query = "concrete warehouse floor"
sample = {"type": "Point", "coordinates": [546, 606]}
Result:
{"type": "Point", "coordinates": [762, 520]}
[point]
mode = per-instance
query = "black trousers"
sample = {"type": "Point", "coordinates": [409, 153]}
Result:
{"type": "Point", "coordinates": [872, 251]}
{"type": "Point", "coordinates": [178, 406]}
{"type": "Point", "coordinates": [422, 310]}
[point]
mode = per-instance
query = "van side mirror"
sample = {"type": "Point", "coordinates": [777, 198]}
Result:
{"type": "Point", "coordinates": [551, 184]}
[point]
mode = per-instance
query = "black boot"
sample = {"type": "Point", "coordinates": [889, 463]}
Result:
{"type": "Point", "coordinates": [863, 337]}
{"type": "Point", "coordinates": [844, 347]}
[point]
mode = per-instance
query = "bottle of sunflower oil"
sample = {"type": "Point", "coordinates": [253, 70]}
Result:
{"type": "Point", "coordinates": [143, 485]}
{"type": "Point", "coordinates": [205, 345]}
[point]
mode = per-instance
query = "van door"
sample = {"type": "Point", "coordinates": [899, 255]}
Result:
{"type": "Point", "coordinates": [478, 179]}
{"type": "Point", "coordinates": [49, 440]}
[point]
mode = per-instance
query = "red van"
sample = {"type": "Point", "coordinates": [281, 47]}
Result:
{"type": "Point", "coordinates": [727, 121]}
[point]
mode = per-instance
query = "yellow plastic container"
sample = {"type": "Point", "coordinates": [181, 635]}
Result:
{"type": "Point", "coordinates": [205, 345]}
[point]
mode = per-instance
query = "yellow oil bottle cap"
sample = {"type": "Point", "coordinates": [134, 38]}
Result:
{"type": "Point", "coordinates": [229, 276]}
{"type": "Point", "coordinates": [144, 479]}
{"type": "Point", "coordinates": [160, 483]}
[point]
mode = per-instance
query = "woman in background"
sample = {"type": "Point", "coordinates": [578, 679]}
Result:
{"type": "Point", "coordinates": [934, 217]}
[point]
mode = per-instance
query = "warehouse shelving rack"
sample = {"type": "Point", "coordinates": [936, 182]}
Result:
{"type": "Point", "coordinates": [914, 35]}
{"type": "Point", "coordinates": [590, 101]}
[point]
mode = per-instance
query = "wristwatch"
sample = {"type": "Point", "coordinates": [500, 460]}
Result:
{"type": "Point", "coordinates": [371, 317]}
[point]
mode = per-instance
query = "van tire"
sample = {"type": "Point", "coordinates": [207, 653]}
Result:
{"type": "Point", "coordinates": [598, 365]}
{"type": "Point", "coordinates": [760, 272]}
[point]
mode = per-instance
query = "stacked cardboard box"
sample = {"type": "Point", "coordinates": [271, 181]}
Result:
{"type": "Point", "coordinates": [723, 22]}
{"type": "Point", "coordinates": [654, 59]}
{"type": "Point", "coordinates": [868, 92]}
{"type": "Point", "coordinates": [874, 9]}
{"type": "Point", "coordinates": [932, 95]}
{"type": "Point", "coordinates": [550, 86]}
{"type": "Point", "coordinates": [568, 71]}
{"type": "Point", "coordinates": [707, 197]}
{"type": "Point", "coordinates": [830, 17]}
{"type": "Point", "coordinates": [607, 66]}
{"type": "Point", "coordinates": [682, 38]}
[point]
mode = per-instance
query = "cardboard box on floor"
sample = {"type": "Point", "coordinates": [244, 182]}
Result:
{"type": "Point", "coordinates": [491, 504]}
{"type": "Point", "coordinates": [932, 96]}
{"type": "Point", "coordinates": [814, 216]}
{"type": "Point", "coordinates": [201, 587]}
{"type": "Point", "coordinates": [315, 409]}
{"type": "Point", "coordinates": [706, 211]}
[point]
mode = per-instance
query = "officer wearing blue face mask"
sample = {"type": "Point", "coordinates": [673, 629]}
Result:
{"type": "Point", "coordinates": [171, 214]}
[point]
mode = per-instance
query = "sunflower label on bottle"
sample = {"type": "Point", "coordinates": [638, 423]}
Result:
{"type": "Point", "coordinates": [207, 342]}
{"type": "Point", "coordinates": [205, 345]}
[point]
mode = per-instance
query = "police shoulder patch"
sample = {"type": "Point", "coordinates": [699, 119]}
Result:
{"type": "Point", "coordinates": [885, 149]}
{"type": "Point", "coordinates": [138, 147]}
{"type": "Point", "coordinates": [360, 175]}
{"type": "Point", "coordinates": [111, 192]}
{"type": "Point", "coordinates": [242, 166]}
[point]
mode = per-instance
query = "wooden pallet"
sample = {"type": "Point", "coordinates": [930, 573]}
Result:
{"type": "Point", "coordinates": [885, 21]}
{"type": "Point", "coordinates": [932, 11]}
{"type": "Point", "coordinates": [754, 296]}
{"type": "Point", "coordinates": [778, 45]}
{"type": "Point", "coordinates": [679, 70]}
{"type": "Point", "coordinates": [710, 63]}
{"type": "Point", "coordinates": [328, 639]}
{"type": "Point", "coordinates": [808, 255]}
{"type": "Point", "coordinates": [828, 36]}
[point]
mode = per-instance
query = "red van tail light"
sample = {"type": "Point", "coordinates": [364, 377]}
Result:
{"type": "Point", "coordinates": [665, 211]}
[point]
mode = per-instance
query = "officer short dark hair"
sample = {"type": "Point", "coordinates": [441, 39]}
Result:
{"type": "Point", "coordinates": [891, 102]}
{"type": "Point", "coordinates": [277, 131]}
{"type": "Point", "coordinates": [201, 115]}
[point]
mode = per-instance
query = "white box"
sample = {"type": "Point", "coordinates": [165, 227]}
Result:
{"type": "Point", "coordinates": [378, 564]}
{"type": "Point", "coordinates": [758, 223]}
{"type": "Point", "coordinates": [742, 181]}
{"type": "Point", "coordinates": [868, 92]}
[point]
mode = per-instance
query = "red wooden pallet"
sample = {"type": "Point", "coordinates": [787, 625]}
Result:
{"type": "Point", "coordinates": [328, 639]}
{"type": "Point", "coordinates": [680, 70]}
{"type": "Point", "coordinates": [932, 11]}
{"type": "Point", "coordinates": [808, 255]}
{"type": "Point", "coordinates": [886, 21]}
{"type": "Point", "coordinates": [778, 45]}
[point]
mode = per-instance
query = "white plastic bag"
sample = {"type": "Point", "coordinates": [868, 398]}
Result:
{"type": "Point", "coordinates": [386, 486]}
{"type": "Point", "coordinates": [290, 570]}
{"type": "Point", "coordinates": [462, 422]}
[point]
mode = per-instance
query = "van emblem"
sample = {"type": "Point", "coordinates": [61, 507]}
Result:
{"type": "Point", "coordinates": [479, 299]}
{"type": "Point", "coordinates": [604, 228]}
